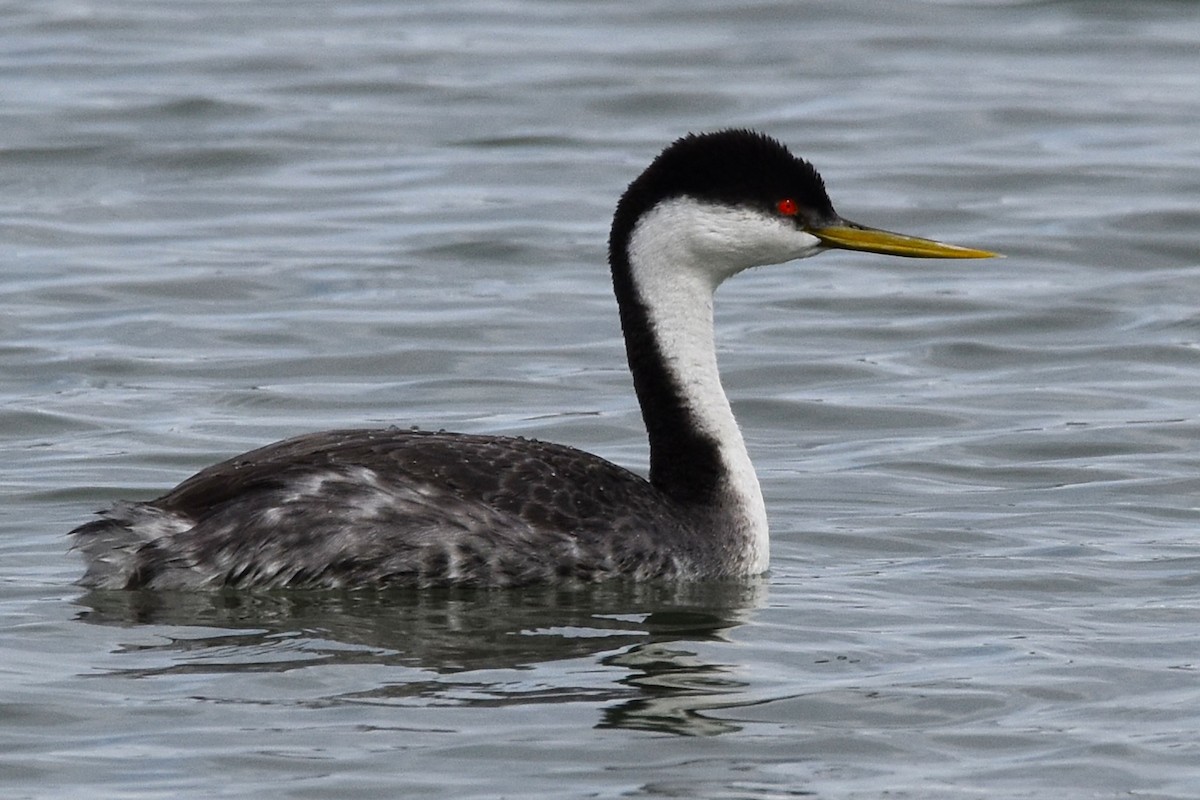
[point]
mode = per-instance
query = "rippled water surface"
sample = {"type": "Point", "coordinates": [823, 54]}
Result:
{"type": "Point", "coordinates": [227, 222]}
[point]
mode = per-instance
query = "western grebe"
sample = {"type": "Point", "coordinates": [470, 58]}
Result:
{"type": "Point", "coordinates": [352, 508]}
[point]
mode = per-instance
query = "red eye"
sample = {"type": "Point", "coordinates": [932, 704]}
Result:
{"type": "Point", "coordinates": [788, 207]}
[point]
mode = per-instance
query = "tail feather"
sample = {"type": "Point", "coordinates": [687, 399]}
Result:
{"type": "Point", "coordinates": [121, 547]}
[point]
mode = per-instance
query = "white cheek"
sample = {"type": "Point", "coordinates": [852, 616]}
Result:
{"type": "Point", "coordinates": [719, 240]}
{"type": "Point", "coordinates": [747, 239]}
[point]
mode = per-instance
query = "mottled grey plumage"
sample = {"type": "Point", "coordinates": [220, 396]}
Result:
{"type": "Point", "coordinates": [430, 509]}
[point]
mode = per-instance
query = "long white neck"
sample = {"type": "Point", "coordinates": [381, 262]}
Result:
{"type": "Point", "coordinates": [678, 253]}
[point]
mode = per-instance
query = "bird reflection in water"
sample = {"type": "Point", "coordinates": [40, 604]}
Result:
{"type": "Point", "coordinates": [654, 643]}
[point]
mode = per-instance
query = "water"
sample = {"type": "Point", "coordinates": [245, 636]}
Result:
{"type": "Point", "coordinates": [231, 222]}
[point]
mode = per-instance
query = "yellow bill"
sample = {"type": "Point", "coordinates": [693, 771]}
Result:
{"type": "Point", "coordinates": [852, 236]}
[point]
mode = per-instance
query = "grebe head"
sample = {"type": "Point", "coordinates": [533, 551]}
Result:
{"type": "Point", "coordinates": [726, 201]}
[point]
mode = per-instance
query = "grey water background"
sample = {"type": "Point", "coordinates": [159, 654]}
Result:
{"type": "Point", "coordinates": [225, 223]}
